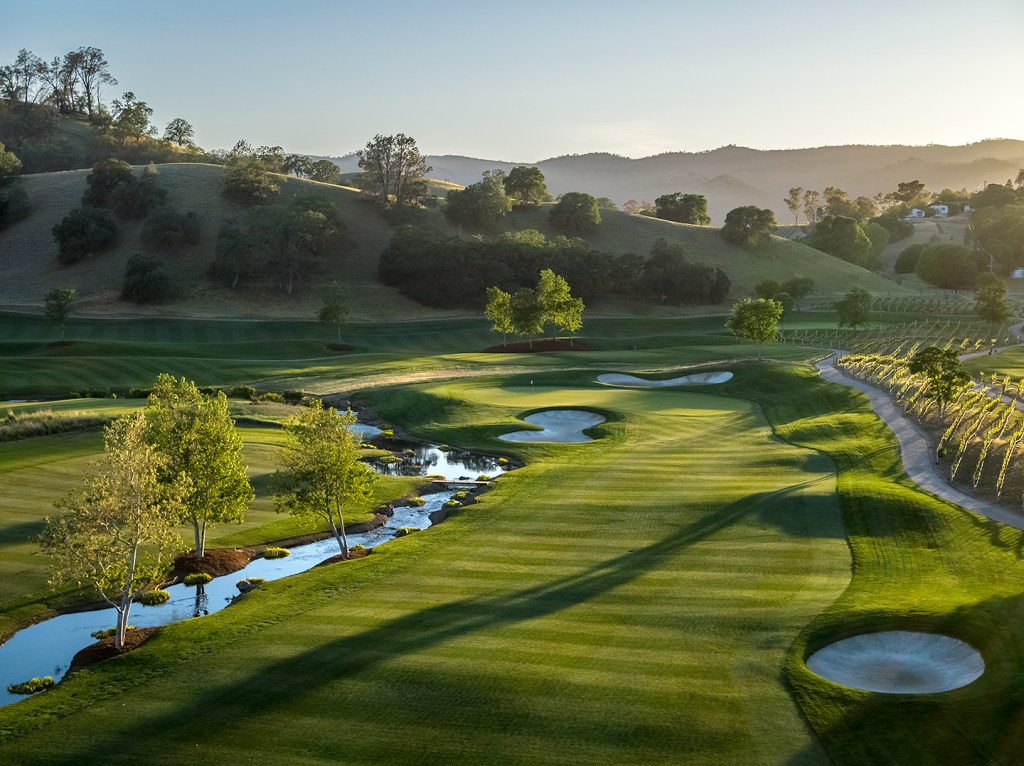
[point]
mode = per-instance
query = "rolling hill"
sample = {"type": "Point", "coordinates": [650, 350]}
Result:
{"type": "Point", "coordinates": [28, 253]}
{"type": "Point", "coordinates": [734, 175]}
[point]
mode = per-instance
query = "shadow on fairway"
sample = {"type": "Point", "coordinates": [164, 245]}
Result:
{"type": "Point", "coordinates": [284, 683]}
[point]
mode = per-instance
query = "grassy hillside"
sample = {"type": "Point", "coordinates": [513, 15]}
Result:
{"type": "Point", "coordinates": [28, 253]}
{"type": "Point", "coordinates": [778, 259]}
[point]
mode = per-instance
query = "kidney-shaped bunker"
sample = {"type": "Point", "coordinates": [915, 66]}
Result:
{"type": "Point", "coordinates": [696, 379]}
{"type": "Point", "coordinates": [562, 426]}
{"type": "Point", "coordinates": [899, 662]}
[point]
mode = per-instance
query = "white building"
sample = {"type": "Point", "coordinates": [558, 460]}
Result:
{"type": "Point", "coordinates": [941, 211]}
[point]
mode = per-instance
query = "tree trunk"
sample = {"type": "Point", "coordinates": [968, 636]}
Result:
{"type": "Point", "coordinates": [125, 605]}
{"type": "Point", "coordinates": [339, 532]}
{"type": "Point", "coordinates": [339, 333]}
{"type": "Point", "coordinates": [199, 528]}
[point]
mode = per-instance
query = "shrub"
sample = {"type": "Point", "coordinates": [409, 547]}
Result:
{"type": "Point", "coordinates": [502, 461]}
{"type": "Point", "coordinates": [276, 553]}
{"type": "Point", "coordinates": [105, 178]}
{"type": "Point", "coordinates": [294, 397]}
{"type": "Point", "coordinates": [247, 183]}
{"type": "Point", "coordinates": [417, 502]}
{"type": "Point", "coordinates": [108, 632]}
{"type": "Point", "coordinates": [197, 578]}
{"type": "Point", "coordinates": [271, 396]}
{"type": "Point", "coordinates": [462, 494]}
{"type": "Point", "coordinates": [388, 433]}
{"type": "Point", "coordinates": [451, 504]}
{"type": "Point", "coordinates": [146, 280]}
{"type": "Point", "coordinates": [137, 200]}
{"type": "Point", "coordinates": [166, 228]}
{"type": "Point", "coordinates": [31, 686]}
{"type": "Point", "coordinates": [14, 205]}
{"type": "Point", "coordinates": [154, 597]}
{"type": "Point", "coordinates": [83, 232]}
{"type": "Point", "coordinates": [483, 477]}
{"type": "Point", "coordinates": [243, 392]}
{"type": "Point", "coordinates": [247, 584]}
{"type": "Point", "coordinates": [404, 531]}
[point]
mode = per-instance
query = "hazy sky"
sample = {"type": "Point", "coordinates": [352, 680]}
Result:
{"type": "Point", "coordinates": [527, 80]}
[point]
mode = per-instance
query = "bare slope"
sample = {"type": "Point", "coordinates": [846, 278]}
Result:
{"type": "Point", "coordinates": [28, 253]}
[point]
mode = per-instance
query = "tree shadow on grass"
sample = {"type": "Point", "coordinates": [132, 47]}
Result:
{"type": "Point", "coordinates": [285, 683]}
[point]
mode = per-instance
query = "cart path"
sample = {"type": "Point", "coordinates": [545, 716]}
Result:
{"type": "Point", "coordinates": [915, 452]}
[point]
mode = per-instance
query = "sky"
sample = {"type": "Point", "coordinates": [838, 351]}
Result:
{"type": "Point", "coordinates": [528, 80]}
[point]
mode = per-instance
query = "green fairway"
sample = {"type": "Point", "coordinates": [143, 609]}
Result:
{"type": "Point", "coordinates": [645, 598]}
{"type": "Point", "coordinates": [642, 614]}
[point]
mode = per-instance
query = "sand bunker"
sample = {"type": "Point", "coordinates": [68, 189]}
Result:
{"type": "Point", "coordinates": [899, 662]}
{"type": "Point", "coordinates": [562, 426]}
{"type": "Point", "coordinates": [632, 381]}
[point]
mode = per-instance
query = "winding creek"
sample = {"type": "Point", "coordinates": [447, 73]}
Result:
{"type": "Point", "coordinates": [47, 648]}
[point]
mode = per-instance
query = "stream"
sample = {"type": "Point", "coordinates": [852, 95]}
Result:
{"type": "Point", "coordinates": [47, 648]}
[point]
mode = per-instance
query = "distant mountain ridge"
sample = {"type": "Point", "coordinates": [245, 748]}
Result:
{"type": "Point", "coordinates": [734, 175]}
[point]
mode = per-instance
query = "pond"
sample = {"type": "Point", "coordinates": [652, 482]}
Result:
{"type": "Point", "coordinates": [47, 648]}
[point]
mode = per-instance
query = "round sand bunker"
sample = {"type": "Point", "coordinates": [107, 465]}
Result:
{"type": "Point", "coordinates": [561, 426]}
{"type": "Point", "coordinates": [696, 379]}
{"type": "Point", "coordinates": [899, 662]}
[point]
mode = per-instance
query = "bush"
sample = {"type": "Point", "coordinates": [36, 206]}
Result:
{"type": "Point", "coordinates": [247, 183]}
{"type": "Point", "coordinates": [417, 502]}
{"type": "Point", "coordinates": [32, 686]}
{"type": "Point", "coordinates": [146, 280]}
{"type": "Point", "coordinates": [247, 584]}
{"type": "Point", "coordinates": [108, 632]}
{"type": "Point", "coordinates": [271, 396]}
{"type": "Point", "coordinates": [462, 494]}
{"type": "Point", "coordinates": [154, 597]}
{"type": "Point", "coordinates": [483, 477]}
{"type": "Point", "coordinates": [276, 553]}
{"type": "Point", "coordinates": [451, 504]}
{"type": "Point", "coordinates": [502, 461]}
{"type": "Point", "coordinates": [137, 200]}
{"type": "Point", "coordinates": [243, 392]}
{"type": "Point", "coordinates": [83, 232]}
{"type": "Point", "coordinates": [106, 177]}
{"type": "Point", "coordinates": [906, 261]}
{"type": "Point", "coordinates": [13, 205]}
{"type": "Point", "coordinates": [294, 397]}
{"type": "Point", "coordinates": [197, 578]}
{"type": "Point", "coordinates": [166, 228]}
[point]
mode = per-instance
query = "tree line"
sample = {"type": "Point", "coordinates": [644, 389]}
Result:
{"type": "Point", "coordinates": [437, 270]}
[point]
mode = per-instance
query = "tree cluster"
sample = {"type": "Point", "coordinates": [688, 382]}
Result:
{"type": "Point", "coordinates": [71, 83]}
{"type": "Point", "coordinates": [302, 166]}
{"type": "Point", "coordinates": [575, 213]}
{"type": "Point", "coordinates": [480, 205]}
{"type": "Point", "coordinates": [147, 280]}
{"type": "Point", "coordinates": [683, 208]}
{"type": "Point", "coordinates": [846, 239]}
{"type": "Point", "coordinates": [998, 233]}
{"type": "Point", "coordinates": [748, 226]}
{"type": "Point", "coordinates": [530, 309]}
{"type": "Point", "coordinates": [437, 270]}
{"type": "Point", "coordinates": [949, 266]}
{"type": "Point", "coordinates": [182, 464]}
{"type": "Point", "coordinates": [284, 243]}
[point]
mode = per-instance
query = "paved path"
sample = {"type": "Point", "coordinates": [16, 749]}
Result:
{"type": "Point", "coordinates": [917, 458]}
